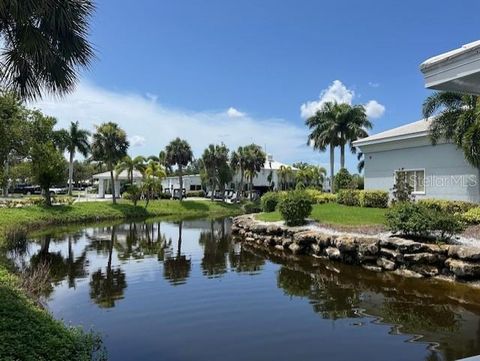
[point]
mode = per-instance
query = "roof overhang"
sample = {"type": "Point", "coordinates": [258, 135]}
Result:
{"type": "Point", "coordinates": [366, 141]}
{"type": "Point", "coordinates": [457, 70]}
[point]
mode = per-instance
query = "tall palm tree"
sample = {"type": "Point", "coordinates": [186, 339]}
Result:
{"type": "Point", "coordinates": [44, 43]}
{"type": "Point", "coordinates": [74, 139]}
{"type": "Point", "coordinates": [255, 161]}
{"type": "Point", "coordinates": [109, 146]}
{"type": "Point", "coordinates": [162, 160]}
{"type": "Point", "coordinates": [285, 173]}
{"type": "Point", "coordinates": [154, 173]}
{"type": "Point", "coordinates": [131, 165]}
{"type": "Point", "coordinates": [353, 124]}
{"type": "Point", "coordinates": [455, 118]}
{"type": "Point", "coordinates": [179, 153]}
{"type": "Point", "coordinates": [324, 132]}
{"type": "Point", "coordinates": [238, 162]}
{"type": "Point", "coordinates": [215, 162]}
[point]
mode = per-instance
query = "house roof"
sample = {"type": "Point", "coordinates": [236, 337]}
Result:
{"type": "Point", "coordinates": [450, 55]}
{"type": "Point", "coordinates": [122, 175]}
{"type": "Point", "coordinates": [407, 131]}
{"type": "Point", "coordinates": [271, 164]}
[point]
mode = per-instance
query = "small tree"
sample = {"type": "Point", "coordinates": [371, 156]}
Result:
{"type": "Point", "coordinates": [343, 180]}
{"type": "Point", "coordinates": [402, 190]}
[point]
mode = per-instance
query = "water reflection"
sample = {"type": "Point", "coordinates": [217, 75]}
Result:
{"type": "Point", "coordinates": [110, 262]}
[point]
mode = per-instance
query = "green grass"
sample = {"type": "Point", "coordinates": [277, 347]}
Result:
{"type": "Point", "coordinates": [28, 332]}
{"type": "Point", "coordinates": [336, 214]}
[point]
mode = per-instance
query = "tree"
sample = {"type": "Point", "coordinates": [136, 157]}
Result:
{"type": "Point", "coordinates": [131, 165]}
{"type": "Point", "coordinates": [255, 161]}
{"type": "Point", "coordinates": [109, 146]}
{"type": "Point", "coordinates": [238, 162]}
{"type": "Point", "coordinates": [217, 170]}
{"type": "Point", "coordinates": [285, 173]}
{"type": "Point", "coordinates": [343, 180]}
{"type": "Point", "coordinates": [154, 173]}
{"type": "Point", "coordinates": [179, 153]}
{"type": "Point", "coordinates": [44, 45]}
{"type": "Point", "coordinates": [324, 132]}
{"type": "Point", "coordinates": [74, 139]}
{"type": "Point", "coordinates": [454, 117]}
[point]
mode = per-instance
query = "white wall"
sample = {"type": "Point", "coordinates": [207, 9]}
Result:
{"type": "Point", "coordinates": [447, 174]}
{"type": "Point", "coordinates": [174, 183]}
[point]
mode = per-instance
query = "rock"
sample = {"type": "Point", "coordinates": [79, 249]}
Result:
{"type": "Point", "coordinates": [259, 228]}
{"type": "Point", "coordinates": [386, 264]}
{"type": "Point", "coordinates": [367, 246]}
{"type": "Point", "coordinates": [407, 273]}
{"type": "Point", "coordinates": [403, 245]}
{"type": "Point", "coordinates": [463, 269]}
{"type": "Point", "coordinates": [315, 248]}
{"type": "Point", "coordinates": [426, 270]}
{"type": "Point", "coordinates": [296, 248]}
{"type": "Point", "coordinates": [286, 242]}
{"type": "Point", "coordinates": [346, 244]}
{"type": "Point", "coordinates": [362, 257]}
{"type": "Point", "coordinates": [323, 240]}
{"type": "Point", "coordinates": [279, 247]}
{"type": "Point", "coordinates": [305, 237]}
{"type": "Point", "coordinates": [274, 230]}
{"type": "Point", "coordinates": [390, 253]}
{"type": "Point", "coordinates": [424, 257]}
{"type": "Point", "coordinates": [464, 253]}
{"type": "Point", "coordinates": [333, 253]}
{"type": "Point", "coordinates": [249, 239]}
{"type": "Point", "coordinates": [372, 268]}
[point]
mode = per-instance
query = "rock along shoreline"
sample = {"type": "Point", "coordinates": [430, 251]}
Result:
{"type": "Point", "coordinates": [376, 253]}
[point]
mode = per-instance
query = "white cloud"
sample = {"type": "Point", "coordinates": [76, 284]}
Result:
{"type": "Point", "coordinates": [153, 125]}
{"type": "Point", "coordinates": [336, 92]}
{"type": "Point", "coordinates": [374, 109]}
{"type": "Point", "coordinates": [234, 113]}
{"type": "Point", "coordinates": [136, 141]}
{"type": "Point", "coordinates": [373, 84]}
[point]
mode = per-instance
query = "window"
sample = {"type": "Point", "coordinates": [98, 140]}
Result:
{"type": "Point", "coordinates": [416, 179]}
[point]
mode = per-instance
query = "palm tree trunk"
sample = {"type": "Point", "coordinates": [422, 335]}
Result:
{"type": "Point", "coordinates": [180, 179]}
{"type": "Point", "coordinates": [70, 174]}
{"type": "Point", "coordinates": [342, 156]}
{"type": "Point", "coordinates": [112, 179]}
{"type": "Point", "coordinates": [242, 175]}
{"type": "Point", "coordinates": [212, 197]}
{"type": "Point", "coordinates": [48, 196]}
{"type": "Point", "coordinates": [251, 187]}
{"type": "Point", "coordinates": [332, 160]}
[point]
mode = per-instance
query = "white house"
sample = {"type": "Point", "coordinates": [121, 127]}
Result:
{"type": "Point", "coordinates": [190, 183]}
{"type": "Point", "coordinates": [439, 171]}
{"type": "Point", "coordinates": [104, 180]}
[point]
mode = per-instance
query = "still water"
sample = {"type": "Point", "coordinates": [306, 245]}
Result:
{"type": "Point", "coordinates": [185, 291]}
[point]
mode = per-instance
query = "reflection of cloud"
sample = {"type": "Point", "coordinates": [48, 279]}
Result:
{"type": "Point", "coordinates": [154, 125]}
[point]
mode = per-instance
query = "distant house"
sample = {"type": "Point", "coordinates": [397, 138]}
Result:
{"type": "Point", "coordinates": [439, 171]}
{"type": "Point", "coordinates": [190, 183]}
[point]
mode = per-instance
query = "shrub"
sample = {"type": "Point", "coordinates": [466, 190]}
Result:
{"type": "Point", "coordinates": [343, 180]}
{"type": "Point", "coordinates": [199, 193]}
{"type": "Point", "coordinates": [319, 197]}
{"type": "Point", "coordinates": [472, 216]}
{"type": "Point", "coordinates": [373, 199]}
{"type": "Point", "coordinates": [133, 193]}
{"type": "Point", "coordinates": [269, 201]}
{"type": "Point", "coordinates": [295, 207]}
{"type": "Point", "coordinates": [252, 207]}
{"type": "Point", "coordinates": [349, 197]}
{"type": "Point", "coordinates": [413, 219]}
{"type": "Point", "coordinates": [451, 207]}
{"type": "Point", "coordinates": [164, 195]}
{"type": "Point", "coordinates": [402, 191]}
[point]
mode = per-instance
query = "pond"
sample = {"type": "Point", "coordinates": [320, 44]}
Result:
{"type": "Point", "coordinates": [162, 290]}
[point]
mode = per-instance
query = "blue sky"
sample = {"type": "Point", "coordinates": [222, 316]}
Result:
{"type": "Point", "coordinates": [167, 68]}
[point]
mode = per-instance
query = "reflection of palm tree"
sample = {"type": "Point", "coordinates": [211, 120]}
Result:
{"type": "Point", "coordinates": [215, 249]}
{"type": "Point", "coordinates": [106, 288]}
{"type": "Point", "coordinates": [177, 269]}
{"type": "Point", "coordinates": [245, 261]}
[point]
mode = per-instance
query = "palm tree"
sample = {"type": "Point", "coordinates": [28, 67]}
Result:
{"type": "Point", "coordinates": [255, 161]}
{"type": "Point", "coordinates": [361, 162]}
{"type": "Point", "coordinates": [44, 44]}
{"type": "Point", "coordinates": [215, 162]}
{"type": "Point", "coordinates": [178, 153]}
{"type": "Point", "coordinates": [109, 146]}
{"type": "Point", "coordinates": [324, 132]}
{"type": "Point", "coordinates": [131, 165]}
{"type": "Point", "coordinates": [74, 139]}
{"type": "Point", "coordinates": [455, 118]}
{"type": "Point", "coordinates": [238, 161]}
{"type": "Point", "coordinates": [152, 185]}
{"type": "Point", "coordinates": [285, 173]}
{"type": "Point", "coordinates": [162, 160]}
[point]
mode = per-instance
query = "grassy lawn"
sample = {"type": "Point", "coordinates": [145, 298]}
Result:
{"type": "Point", "coordinates": [333, 213]}
{"type": "Point", "coordinates": [28, 332]}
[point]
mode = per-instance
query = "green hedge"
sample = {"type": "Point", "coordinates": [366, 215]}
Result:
{"type": "Point", "coordinates": [472, 216]}
{"type": "Point", "coordinates": [451, 207]}
{"type": "Point", "coordinates": [373, 199]}
{"type": "Point", "coordinates": [295, 208]}
{"type": "Point", "coordinates": [348, 197]}
{"type": "Point", "coordinates": [195, 194]}
{"type": "Point", "coordinates": [269, 201]}
{"type": "Point", "coordinates": [319, 197]}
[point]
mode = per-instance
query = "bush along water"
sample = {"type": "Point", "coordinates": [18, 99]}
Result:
{"type": "Point", "coordinates": [418, 221]}
{"type": "Point", "coordinates": [269, 201]}
{"type": "Point", "coordinates": [295, 208]}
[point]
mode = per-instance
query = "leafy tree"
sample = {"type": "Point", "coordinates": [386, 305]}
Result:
{"type": "Point", "coordinates": [179, 153]}
{"type": "Point", "coordinates": [152, 185]}
{"type": "Point", "coordinates": [74, 139]}
{"type": "Point", "coordinates": [286, 174]}
{"type": "Point", "coordinates": [44, 44]}
{"type": "Point", "coordinates": [402, 190]}
{"type": "Point", "coordinates": [343, 179]}
{"type": "Point", "coordinates": [255, 161]}
{"type": "Point", "coordinates": [455, 118]}
{"type": "Point", "coordinates": [83, 171]}
{"type": "Point", "coordinates": [131, 165]}
{"type": "Point", "coordinates": [238, 163]}
{"type": "Point", "coordinates": [109, 146]}
{"type": "Point", "coordinates": [217, 170]}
